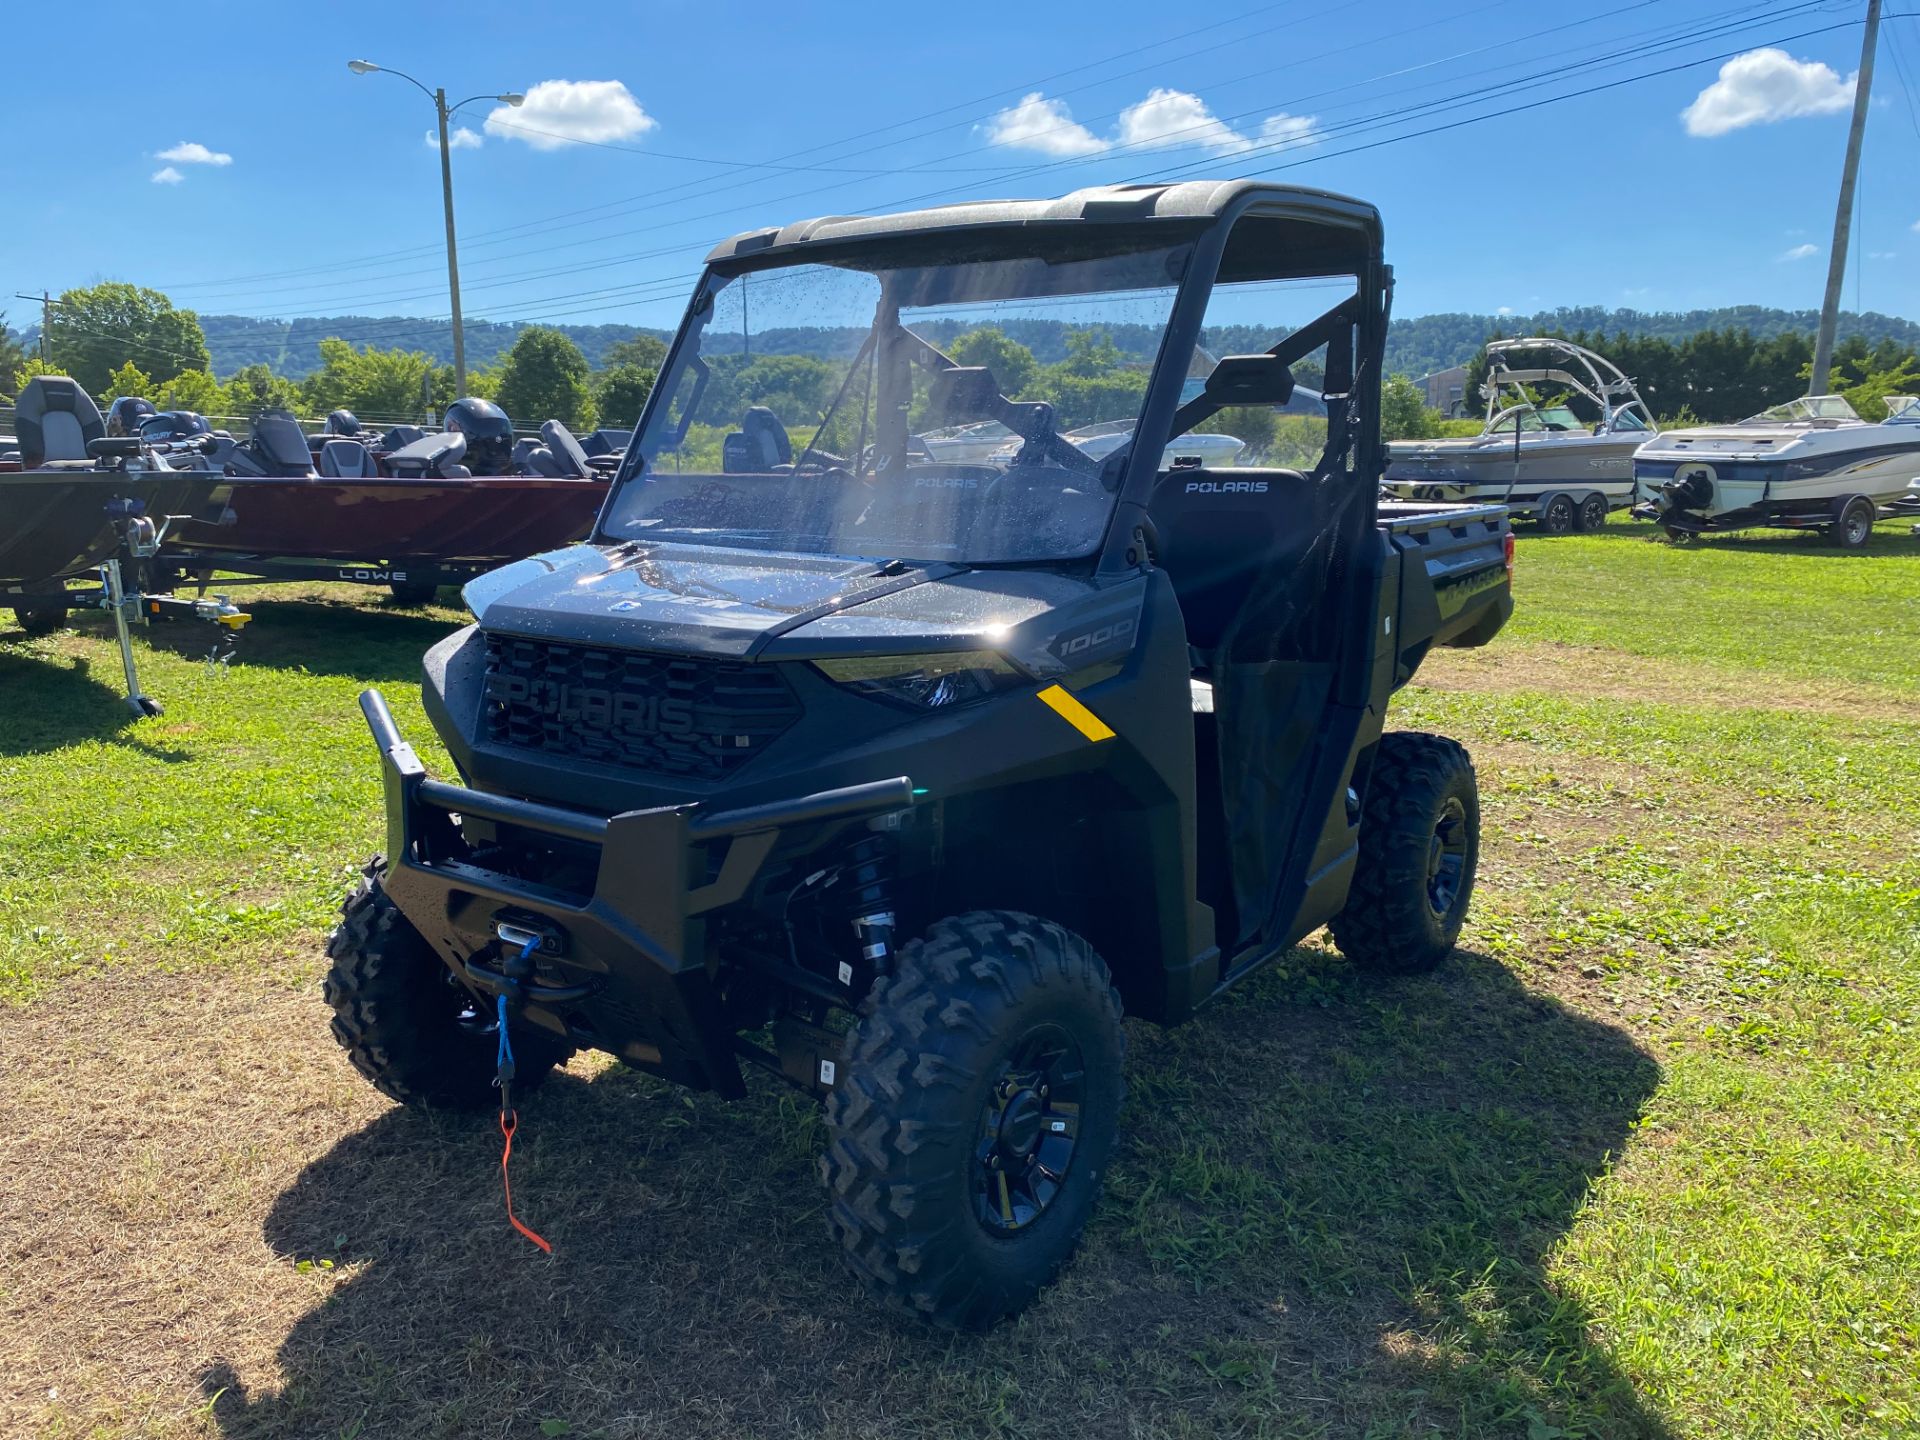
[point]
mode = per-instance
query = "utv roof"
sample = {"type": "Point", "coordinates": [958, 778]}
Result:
{"type": "Point", "coordinates": [1118, 205]}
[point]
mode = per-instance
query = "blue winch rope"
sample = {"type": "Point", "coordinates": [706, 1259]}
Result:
{"type": "Point", "coordinates": [509, 1120]}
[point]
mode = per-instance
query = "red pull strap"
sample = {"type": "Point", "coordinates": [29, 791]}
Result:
{"type": "Point", "coordinates": [509, 1122]}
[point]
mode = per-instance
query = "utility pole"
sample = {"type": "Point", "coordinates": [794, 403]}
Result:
{"type": "Point", "coordinates": [453, 262]}
{"type": "Point", "coordinates": [1843, 213]}
{"type": "Point", "coordinates": [46, 316]}
{"type": "Point", "coordinates": [443, 112]}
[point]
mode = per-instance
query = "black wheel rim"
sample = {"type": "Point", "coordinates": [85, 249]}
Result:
{"type": "Point", "coordinates": [1447, 858]}
{"type": "Point", "coordinates": [1029, 1131]}
{"type": "Point", "coordinates": [1560, 515]}
{"type": "Point", "coordinates": [1595, 513]}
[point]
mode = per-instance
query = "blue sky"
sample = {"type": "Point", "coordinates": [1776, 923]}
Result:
{"type": "Point", "coordinates": [237, 164]}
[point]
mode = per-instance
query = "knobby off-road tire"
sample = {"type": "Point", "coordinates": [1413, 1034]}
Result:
{"type": "Point", "coordinates": [997, 1037]}
{"type": "Point", "coordinates": [1419, 849]}
{"type": "Point", "coordinates": [403, 1020]}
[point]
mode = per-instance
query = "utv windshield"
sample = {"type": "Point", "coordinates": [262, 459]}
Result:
{"type": "Point", "coordinates": [901, 410]}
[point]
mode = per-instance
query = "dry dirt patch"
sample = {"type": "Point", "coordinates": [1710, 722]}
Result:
{"type": "Point", "coordinates": [1589, 672]}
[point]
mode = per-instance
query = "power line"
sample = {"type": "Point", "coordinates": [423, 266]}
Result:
{"type": "Point", "coordinates": [1718, 22]}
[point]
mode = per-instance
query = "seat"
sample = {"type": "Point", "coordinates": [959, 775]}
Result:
{"type": "Point", "coordinates": [401, 436]}
{"type": "Point", "coordinates": [569, 458]}
{"type": "Point", "coordinates": [1220, 531]}
{"type": "Point", "coordinates": [758, 447]}
{"type": "Point", "coordinates": [431, 456]}
{"type": "Point", "coordinates": [281, 445]}
{"type": "Point", "coordinates": [54, 419]}
{"type": "Point", "coordinates": [346, 459]}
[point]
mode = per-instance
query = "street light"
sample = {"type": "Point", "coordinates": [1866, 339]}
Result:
{"type": "Point", "coordinates": [443, 111]}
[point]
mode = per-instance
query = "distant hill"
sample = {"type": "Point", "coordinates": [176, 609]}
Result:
{"type": "Point", "coordinates": [1427, 343]}
{"type": "Point", "coordinates": [1415, 346]}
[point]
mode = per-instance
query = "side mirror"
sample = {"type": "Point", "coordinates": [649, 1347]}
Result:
{"type": "Point", "coordinates": [1249, 380]}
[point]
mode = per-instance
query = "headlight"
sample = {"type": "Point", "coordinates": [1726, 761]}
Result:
{"type": "Point", "coordinates": [926, 681]}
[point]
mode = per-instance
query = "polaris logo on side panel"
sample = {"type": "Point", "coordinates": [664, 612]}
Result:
{"type": "Point", "coordinates": [1226, 487]}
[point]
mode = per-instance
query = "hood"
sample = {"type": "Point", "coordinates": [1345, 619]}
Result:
{"type": "Point", "coordinates": [701, 600]}
{"type": "Point", "coordinates": [695, 599]}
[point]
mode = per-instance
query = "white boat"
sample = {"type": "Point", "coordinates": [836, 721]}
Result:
{"type": "Point", "coordinates": [1537, 456]}
{"type": "Point", "coordinates": [1811, 463]}
{"type": "Point", "coordinates": [973, 444]}
{"type": "Point", "coordinates": [1101, 440]}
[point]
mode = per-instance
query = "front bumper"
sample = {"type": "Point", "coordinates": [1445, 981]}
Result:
{"type": "Point", "coordinates": [620, 957]}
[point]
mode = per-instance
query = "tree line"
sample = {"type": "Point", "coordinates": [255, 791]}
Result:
{"type": "Point", "coordinates": [118, 339]}
{"type": "Point", "coordinates": [1717, 376]}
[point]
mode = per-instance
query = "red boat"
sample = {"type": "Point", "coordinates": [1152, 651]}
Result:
{"type": "Point", "coordinates": [428, 524]}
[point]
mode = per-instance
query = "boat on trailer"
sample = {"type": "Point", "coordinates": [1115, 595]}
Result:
{"type": "Point", "coordinates": [1809, 464]}
{"type": "Point", "coordinates": [413, 520]}
{"type": "Point", "coordinates": [1536, 455]}
{"type": "Point", "coordinates": [82, 513]}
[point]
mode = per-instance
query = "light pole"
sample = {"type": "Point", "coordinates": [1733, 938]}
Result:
{"type": "Point", "coordinates": [444, 111]}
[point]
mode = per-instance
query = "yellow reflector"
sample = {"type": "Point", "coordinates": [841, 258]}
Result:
{"type": "Point", "coordinates": [1076, 714]}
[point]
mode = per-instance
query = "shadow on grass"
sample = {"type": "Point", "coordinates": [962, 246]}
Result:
{"type": "Point", "coordinates": [372, 642]}
{"type": "Point", "coordinates": [1891, 540]}
{"type": "Point", "coordinates": [54, 702]}
{"type": "Point", "coordinates": [1334, 1216]}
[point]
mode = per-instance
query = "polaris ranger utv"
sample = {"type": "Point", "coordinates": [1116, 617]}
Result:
{"type": "Point", "coordinates": [898, 775]}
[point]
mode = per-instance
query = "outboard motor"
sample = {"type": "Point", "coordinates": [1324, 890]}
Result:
{"type": "Point", "coordinates": [342, 423]}
{"type": "Point", "coordinates": [166, 426]}
{"type": "Point", "coordinates": [126, 415]}
{"type": "Point", "coordinates": [1690, 489]}
{"type": "Point", "coordinates": [488, 432]}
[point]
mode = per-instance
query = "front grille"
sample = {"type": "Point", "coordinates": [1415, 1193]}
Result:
{"type": "Point", "coordinates": [666, 715]}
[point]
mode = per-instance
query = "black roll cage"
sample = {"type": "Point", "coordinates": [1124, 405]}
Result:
{"type": "Point", "coordinates": [1354, 331]}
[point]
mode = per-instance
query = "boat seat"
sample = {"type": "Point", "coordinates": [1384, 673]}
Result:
{"type": "Point", "coordinates": [756, 448]}
{"type": "Point", "coordinates": [280, 442]}
{"type": "Point", "coordinates": [347, 459]}
{"type": "Point", "coordinates": [54, 419]}
{"type": "Point", "coordinates": [401, 436]}
{"type": "Point", "coordinates": [540, 461]}
{"type": "Point", "coordinates": [1220, 531]}
{"type": "Point", "coordinates": [431, 456]}
{"type": "Point", "coordinates": [567, 454]}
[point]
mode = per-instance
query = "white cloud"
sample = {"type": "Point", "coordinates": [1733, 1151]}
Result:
{"type": "Point", "coordinates": [1800, 252]}
{"type": "Point", "coordinates": [1504, 310]}
{"type": "Point", "coordinates": [1175, 117]}
{"type": "Point", "coordinates": [1763, 86]}
{"type": "Point", "coordinates": [1916, 227]}
{"type": "Point", "coordinates": [1038, 123]}
{"type": "Point", "coordinates": [557, 111]}
{"type": "Point", "coordinates": [192, 152]}
{"type": "Point", "coordinates": [1167, 119]}
{"type": "Point", "coordinates": [458, 138]}
{"type": "Point", "coordinates": [1289, 132]}
{"type": "Point", "coordinates": [1883, 254]}
{"type": "Point", "coordinates": [167, 176]}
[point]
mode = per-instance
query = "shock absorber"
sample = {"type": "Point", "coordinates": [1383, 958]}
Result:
{"type": "Point", "coordinates": [866, 878]}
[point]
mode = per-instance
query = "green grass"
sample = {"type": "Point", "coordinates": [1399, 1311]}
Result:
{"type": "Point", "coordinates": [1776, 602]}
{"type": "Point", "coordinates": [1643, 1160]}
